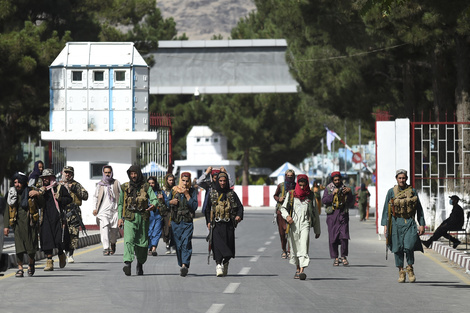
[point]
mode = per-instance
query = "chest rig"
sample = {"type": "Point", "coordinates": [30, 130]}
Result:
{"type": "Point", "coordinates": [404, 202]}
{"type": "Point", "coordinates": [181, 212]}
{"type": "Point", "coordinates": [138, 204]}
{"type": "Point", "coordinates": [223, 210]}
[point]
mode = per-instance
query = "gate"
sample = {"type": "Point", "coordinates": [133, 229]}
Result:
{"type": "Point", "coordinates": [438, 167]}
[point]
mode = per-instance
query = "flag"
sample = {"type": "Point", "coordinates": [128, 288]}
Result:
{"type": "Point", "coordinates": [330, 136]}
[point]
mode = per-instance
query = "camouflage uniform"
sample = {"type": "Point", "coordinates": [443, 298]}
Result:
{"type": "Point", "coordinates": [73, 212]}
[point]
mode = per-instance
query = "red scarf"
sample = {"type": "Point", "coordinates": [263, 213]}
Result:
{"type": "Point", "coordinates": [301, 193]}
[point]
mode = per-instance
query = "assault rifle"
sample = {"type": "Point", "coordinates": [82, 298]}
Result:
{"type": "Point", "coordinates": [209, 239]}
{"type": "Point", "coordinates": [77, 221]}
{"type": "Point", "coordinates": [388, 238]}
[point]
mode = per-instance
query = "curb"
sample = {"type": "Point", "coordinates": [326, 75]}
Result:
{"type": "Point", "coordinates": [456, 256]}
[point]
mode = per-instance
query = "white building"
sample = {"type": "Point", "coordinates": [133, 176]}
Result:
{"type": "Point", "coordinates": [205, 148]}
{"type": "Point", "coordinates": [99, 110]}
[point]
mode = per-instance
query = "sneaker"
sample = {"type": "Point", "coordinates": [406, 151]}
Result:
{"type": "Point", "coordinates": [219, 270]}
{"type": "Point", "coordinates": [183, 271]}
{"type": "Point", "coordinates": [62, 260]}
{"type": "Point", "coordinates": [302, 276]}
{"type": "Point", "coordinates": [411, 274]}
{"type": "Point", "coordinates": [168, 251]}
{"type": "Point", "coordinates": [70, 259]}
{"type": "Point", "coordinates": [401, 276]}
{"type": "Point", "coordinates": [225, 268]}
{"type": "Point", "coordinates": [139, 269]}
{"type": "Point", "coordinates": [456, 244]}
{"type": "Point", "coordinates": [127, 268]}
{"type": "Point", "coordinates": [173, 250]}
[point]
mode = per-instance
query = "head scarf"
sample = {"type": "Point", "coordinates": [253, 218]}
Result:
{"type": "Point", "coordinates": [157, 185]}
{"type": "Point", "coordinates": [108, 182]}
{"type": "Point", "coordinates": [36, 172]}
{"type": "Point", "coordinates": [182, 186]}
{"type": "Point", "coordinates": [363, 187]}
{"type": "Point", "coordinates": [165, 183]}
{"type": "Point", "coordinates": [23, 193]}
{"type": "Point", "coordinates": [135, 185]}
{"type": "Point", "coordinates": [217, 185]}
{"type": "Point", "coordinates": [302, 193]}
{"type": "Point", "coordinates": [289, 182]}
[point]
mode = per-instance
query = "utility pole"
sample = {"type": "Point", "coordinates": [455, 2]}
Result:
{"type": "Point", "coordinates": [345, 151]}
{"type": "Point", "coordinates": [360, 151]}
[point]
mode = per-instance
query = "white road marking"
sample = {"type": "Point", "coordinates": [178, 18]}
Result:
{"type": "Point", "coordinates": [275, 233]}
{"type": "Point", "coordinates": [261, 249]}
{"type": "Point", "coordinates": [244, 270]}
{"type": "Point", "coordinates": [272, 237]}
{"type": "Point", "coordinates": [267, 243]}
{"type": "Point", "coordinates": [231, 288]}
{"type": "Point", "coordinates": [255, 258]}
{"type": "Point", "coordinates": [215, 308]}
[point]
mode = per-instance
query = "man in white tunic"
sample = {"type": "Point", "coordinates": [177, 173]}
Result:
{"type": "Point", "coordinates": [300, 213]}
{"type": "Point", "coordinates": [106, 200]}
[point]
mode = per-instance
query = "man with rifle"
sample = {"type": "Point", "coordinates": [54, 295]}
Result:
{"type": "Point", "coordinates": [398, 218]}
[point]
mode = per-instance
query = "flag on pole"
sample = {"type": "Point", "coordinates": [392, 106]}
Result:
{"type": "Point", "coordinates": [330, 136]}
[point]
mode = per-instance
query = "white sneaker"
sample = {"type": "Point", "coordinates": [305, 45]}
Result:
{"type": "Point", "coordinates": [225, 268]}
{"type": "Point", "coordinates": [219, 270]}
{"type": "Point", "coordinates": [168, 251]}
{"type": "Point", "coordinates": [70, 259]}
{"type": "Point", "coordinates": [173, 250]}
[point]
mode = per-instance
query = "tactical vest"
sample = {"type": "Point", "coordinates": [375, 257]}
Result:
{"type": "Point", "coordinates": [404, 202]}
{"type": "Point", "coordinates": [33, 212]}
{"type": "Point", "coordinates": [181, 212]}
{"type": "Point", "coordinates": [132, 205]}
{"type": "Point", "coordinates": [225, 210]}
{"type": "Point", "coordinates": [75, 198]}
{"type": "Point", "coordinates": [338, 203]}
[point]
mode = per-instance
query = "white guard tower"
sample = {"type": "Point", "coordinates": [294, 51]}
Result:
{"type": "Point", "coordinates": [99, 110]}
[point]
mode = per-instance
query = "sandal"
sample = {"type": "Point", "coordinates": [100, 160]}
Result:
{"type": "Point", "coordinates": [105, 252]}
{"type": "Point", "coordinates": [336, 262]}
{"type": "Point", "coordinates": [345, 262]}
{"type": "Point", "coordinates": [296, 276]}
{"type": "Point", "coordinates": [31, 270]}
{"type": "Point", "coordinates": [284, 255]}
{"type": "Point", "coordinates": [19, 273]}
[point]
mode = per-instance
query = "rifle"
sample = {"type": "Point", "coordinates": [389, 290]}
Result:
{"type": "Point", "coordinates": [290, 207]}
{"type": "Point", "coordinates": [209, 239]}
{"type": "Point", "coordinates": [388, 238]}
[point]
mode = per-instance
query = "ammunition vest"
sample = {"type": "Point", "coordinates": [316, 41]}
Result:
{"type": "Point", "coordinates": [75, 198]}
{"type": "Point", "coordinates": [338, 203]}
{"type": "Point", "coordinates": [132, 205]}
{"type": "Point", "coordinates": [404, 202]}
{"type": "Point", "coordinates": [224, 210]}
{"type": "Point", "coordinates": [181, 212]}
{"type": "Point", "coordinates": [33, 212]}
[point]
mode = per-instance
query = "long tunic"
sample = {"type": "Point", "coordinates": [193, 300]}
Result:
{"type": "Point", "coordinates": [155, 226]}
{"type": "Point", "coordinates": [404, 231]}
{"type": "Point", "coordinates": [223, 233]}
{"type": "Point", "coordinates": [303, 214]}
{"type": "Point", "coordinates": [26, 236]}
{"type": "Point", "coordinates": [51, 227]}
{"type": "Point", "coordinates": [107, 209]}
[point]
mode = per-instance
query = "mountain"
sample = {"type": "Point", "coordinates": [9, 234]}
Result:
{"type": "Point", "coordinates": [201, 19]}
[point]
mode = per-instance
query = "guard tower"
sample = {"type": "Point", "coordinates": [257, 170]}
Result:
{"type": "Point", "coordinates": [99, 116]}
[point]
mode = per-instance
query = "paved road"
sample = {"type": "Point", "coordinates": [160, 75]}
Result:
{"type": "Point", "coordinates": [259, 280]}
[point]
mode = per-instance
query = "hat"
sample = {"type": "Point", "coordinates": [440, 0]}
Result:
{"type": "Point", "coordinates": [401, 171]}
{"type": "Point", "coordinates": [68, 169]}
{"type": "Point", "coordinates": [47, 172]}
{"type": "Point", "coordinates": [334, 174]}
{"type": "Point", "coordinates": [455, 197]}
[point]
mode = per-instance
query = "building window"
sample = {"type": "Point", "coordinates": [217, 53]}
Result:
{"type": "Point", "coordinates": [96, 170]}
{"type": "Point", "coordinates": [120, 76]}
{"type": "Point", "coordinates": [207, 139]}
{"type": "Point", "coordinates": [198, 139]}
{"type": "Point", "coordinates": [76, 76]}
{"type": "Point", "coordinates": [216, 139]}
{"type": "Point", "coordinates": [98, 76]}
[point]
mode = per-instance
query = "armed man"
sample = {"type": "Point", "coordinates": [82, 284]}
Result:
{"type": "Point", "coordinates": [73, 212]}
{"type": "Point", "coordinates": [398, 218]}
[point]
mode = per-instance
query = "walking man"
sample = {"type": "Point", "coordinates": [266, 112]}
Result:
{"type": "Point", "coordinates": [363, 202]}
{"type": "Point", "coordinates": [136, 200]}
{"type": "Point", "coordinates": [398, 218]}
{"type": "Point", "coordinates": [454, 222]}
{"type": "Point", "coordinates": [223, 213]}
{"type": "Point", "coordinates": [23, 215]}
{"type": "Point", "coordinates": [280, 195]}
{"type": "Point", "coordinates": [338, 199]}
{"type": "Point", "coordinates": [73, 212]}
{"type": "Point", "coordinates": [299, 211]}
{"type": "Point", "coordinates": [106, 200]}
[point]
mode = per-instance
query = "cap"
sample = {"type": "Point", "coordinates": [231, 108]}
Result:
{"type": "Point", "coordinates": [68, 169]}
{"type": "Point", "coordinates": [401, 171]}
{"type": "Point", "coordinates": [47, 172]}
{"type": "Point", "coordinates": [455, 197]}
{"type": "Point", "coordinates": [335, 174]}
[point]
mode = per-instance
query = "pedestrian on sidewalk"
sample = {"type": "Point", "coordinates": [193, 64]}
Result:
{"type": "Point", "coordinates": [338, 198]}
{"type": "Point", "coordinates": [73, 212]}
{"type": "Point", "coordinates": [105, 201]}
{"type": "Point", "coordinates": [300, 212]}
{"type": "Point", "coordinates": [22, 216]}
{"type": "Point", "coordinates": [155, 227]}
{"type": "Point", "coordinates": [223, 213]}
{"type": "Point", "coordinates": [280, 195]}
{"type": "Point", "coordinates": [454, 222]}
{"type": "Point", "coordinates": [398, 218]}
{"type": "Point", "coordinates": [182, 206]}
{"type": "Point", "coordinates": [136, 200]}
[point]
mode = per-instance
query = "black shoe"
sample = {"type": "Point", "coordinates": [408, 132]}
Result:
{"type": "Point", "coordinates": [127, 268]}
{"type": "Point", "coordinates": [426, 243]}
{"type": "Point", "coordinates": [184, 271]}
{"type": "Point", "coordinates": [456, 244]}
{"type": "Point", "coordinates": [113, 249]}
{"type": "Point", "coordinates": [139, 269]}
